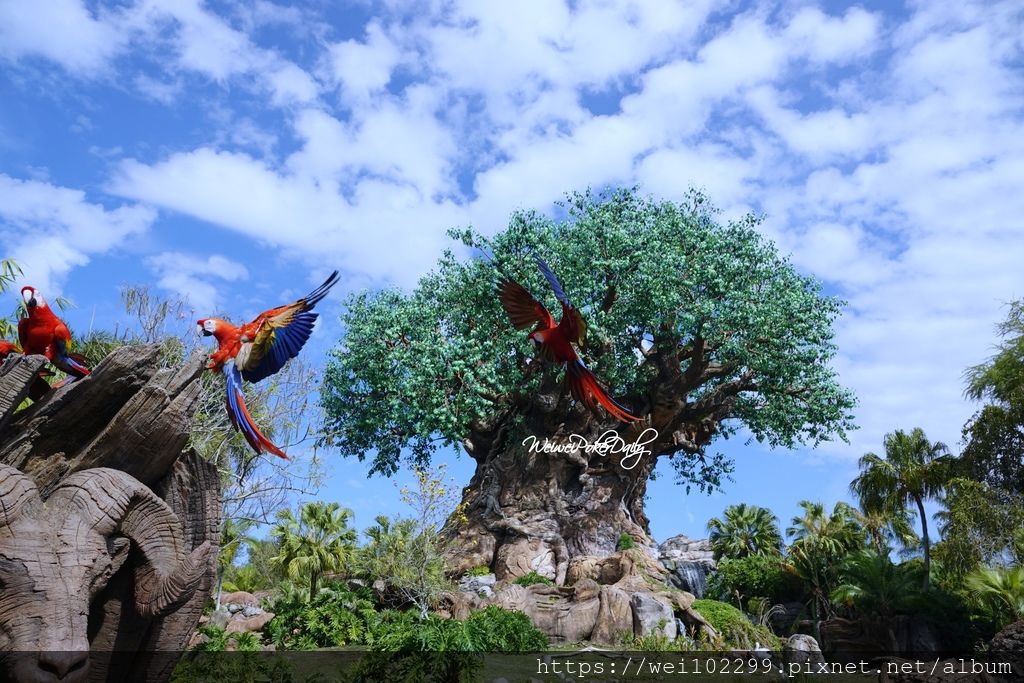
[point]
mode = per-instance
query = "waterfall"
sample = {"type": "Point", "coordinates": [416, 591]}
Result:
{"type": "Point", "coordinates": [691, 577]}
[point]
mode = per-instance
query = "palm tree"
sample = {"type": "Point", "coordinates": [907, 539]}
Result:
{"type": "Point", "coordinates": [837, 533]}
{"type": "Point", "coordinates": [913, 470]}
{"type": "Point", "coordinates": [820, 543]}
{"type": "Point", "coordinates": [319, 541]}
{"type": "Point", "coordinates": [1000, 587]}
{"type": "Point", "coordinates": [745, 530]}
{"type": "Point", "coordinates": [888, 529]}
{"type": "Point", "coordinates": [877, 589]}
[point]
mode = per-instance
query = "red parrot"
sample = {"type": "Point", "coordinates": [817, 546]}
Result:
{"type": "Point", "coordinates": [555, 341]}
{"type": "Point", "coordinates": [7, 348]}
{"type": "Point", "coordinates": [42, 332]}
{"type": "Point", "coordinates": [257, 350]}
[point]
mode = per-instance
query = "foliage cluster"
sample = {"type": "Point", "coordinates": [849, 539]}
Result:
{"type": "Point", "coordinates": [532, 578]}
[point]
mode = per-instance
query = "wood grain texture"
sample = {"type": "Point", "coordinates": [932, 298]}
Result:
{"type": "Point", "coordinates": [108, 528]}
{"type": "Point", "coordinates": [16, 376]}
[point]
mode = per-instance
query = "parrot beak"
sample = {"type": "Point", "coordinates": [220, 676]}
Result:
{"type": "Point", "coordinates": [201, 329]}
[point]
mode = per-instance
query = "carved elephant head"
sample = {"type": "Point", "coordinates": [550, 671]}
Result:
{"type": "Point", "coordinates": [57, 554]}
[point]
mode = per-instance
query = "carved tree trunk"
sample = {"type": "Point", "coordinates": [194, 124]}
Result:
{"type": "Point", "coordinates": [536, 511]}
{"type": "Point", "coordinates": [529, 510]}
{"type": "Point", "coordinates": [133, 416]}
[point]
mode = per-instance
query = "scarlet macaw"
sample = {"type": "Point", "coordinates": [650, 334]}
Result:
{"type": "Point", "coordinates": [42, 332]}
{"type": "Point", "coordinates": [555, 342]}
{"type": "Point", "coordinates": [257, 350]}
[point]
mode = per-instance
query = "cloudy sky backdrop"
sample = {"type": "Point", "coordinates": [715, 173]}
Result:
{"type": "Point", "coordinates": [235, 152]}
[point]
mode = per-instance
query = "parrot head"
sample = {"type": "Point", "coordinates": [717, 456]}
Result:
{"type": "Point", "coordinates": [207, 326]}
{"type": "Point", "coordinates": [31, 297]}
{"type": "Point", "coordinates": [536, 337]}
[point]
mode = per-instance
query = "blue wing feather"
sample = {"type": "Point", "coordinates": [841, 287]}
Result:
{"type": "Point", "coordinates": [552, 280]}
{"type": "Point", "coordinates": [66, 363]}
{"type": "Point", "coordinates": [288, 341]}
{"type": "Point", "coordinates": [233, 388]}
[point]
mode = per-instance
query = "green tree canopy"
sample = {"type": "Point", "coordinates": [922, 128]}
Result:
{"type": "Point", "coordinates": [980, 524]}
{"type": "Point", "coordinates": [994, 436]}
{"type": "Point", "coordinates": [701, 325]}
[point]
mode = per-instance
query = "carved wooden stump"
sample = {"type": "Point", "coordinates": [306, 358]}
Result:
{"type": "Point", "coordinates": [108, 526]}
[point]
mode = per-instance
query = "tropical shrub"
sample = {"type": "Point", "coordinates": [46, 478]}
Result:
{"type": "Point", "coordinates": [217, 640]}
{"type": "Point", "coordinates": [625, 542]}
{"type": "Point", "coordinates": [491, 629]}
{"type": "Point", "coordinates": [1000, 589]}
{"type": "Point", "coordinates": [533, 578]}
{"type": "Point", "coordinates": [494, 629]}
{"type": "Point", "coordinates": [754, 576]}
{"type": "Point", "coordinates": [335, 617]}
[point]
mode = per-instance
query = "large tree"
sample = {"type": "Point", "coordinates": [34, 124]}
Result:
{"type": "Point", "coordinates": [700, 327]}
{"type": "Point", "coordinates": [994, 450]}
{"type": "Point", "coordinates": [913, 470]}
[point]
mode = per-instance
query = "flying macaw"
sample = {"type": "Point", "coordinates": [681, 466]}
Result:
{"type": "Point", "coordinates": [39, 386]}
{"type": "Point", "coordinates": [555, 342]}
{"type": "Point", "coordinates": [42, 332]}
{"type": "Point", "coordinates": [257, 350]}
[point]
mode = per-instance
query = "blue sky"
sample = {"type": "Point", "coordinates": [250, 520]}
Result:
{"type": "Point", "coordinates": [235, 152]}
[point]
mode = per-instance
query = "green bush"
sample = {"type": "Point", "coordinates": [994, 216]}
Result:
{"type": "Point", "coordinates": [754, 576]}
{"type": "Point", "coordinates": [654, 642]}
{"type": "Point", "coordinates": [218, 640]}
{"type": "Point", "coordinates": [478, 571]}
{"type": "Point", "coordinates": [494, 629]}
{"type": "Point", "coordinates": [533, 578]}
{"type": "Point", "coordinates": [625, 542]}
{"type": "Point", "coordinates": [734, 626]}
{"type": "Point", "coordinates": [334, 618]}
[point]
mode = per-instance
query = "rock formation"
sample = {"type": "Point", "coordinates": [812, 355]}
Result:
{"type": "Point", "coordinates": [689, 563]}
{"type": "Point", "coordinates": [123, 520]}
{"type": "Point", "coordinates": [604, 600]}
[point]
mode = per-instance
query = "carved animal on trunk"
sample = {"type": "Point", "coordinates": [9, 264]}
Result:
{"type": "Point", "coordinates": [57, 555]}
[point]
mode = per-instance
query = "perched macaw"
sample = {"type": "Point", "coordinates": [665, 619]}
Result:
{"type": "Point", "coordinates": [555, 342]}
{"type": "Point", "coordinates": [257, 350]}
{"type": "Point", "coordinates": [42, 332]}
{"type": "Point", "coordinates": [7, 348]}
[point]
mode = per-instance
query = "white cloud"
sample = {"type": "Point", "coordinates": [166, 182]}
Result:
{"type": "Point", "coordinates": [50, 229]}
{"type": "Point", "coordinates": [63, 31]}
{"type": "Point", "coordinates": [188, 276]}
{"type": "Point", "coordinates": [87, 43]}
{"type": "Point", "coordinates": [385, 233]}
{"type": "Point", "coordinates": [834, 39]}
{"type": "Point", "coordinates": [885, 149]}
{"type": "Point", "coordinates": [363, 68]}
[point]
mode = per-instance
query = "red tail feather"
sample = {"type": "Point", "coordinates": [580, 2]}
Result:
{"type": "Point", "coordinates": [585, 388]}
{"type": "Point", "coordinates": [260, 443]}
